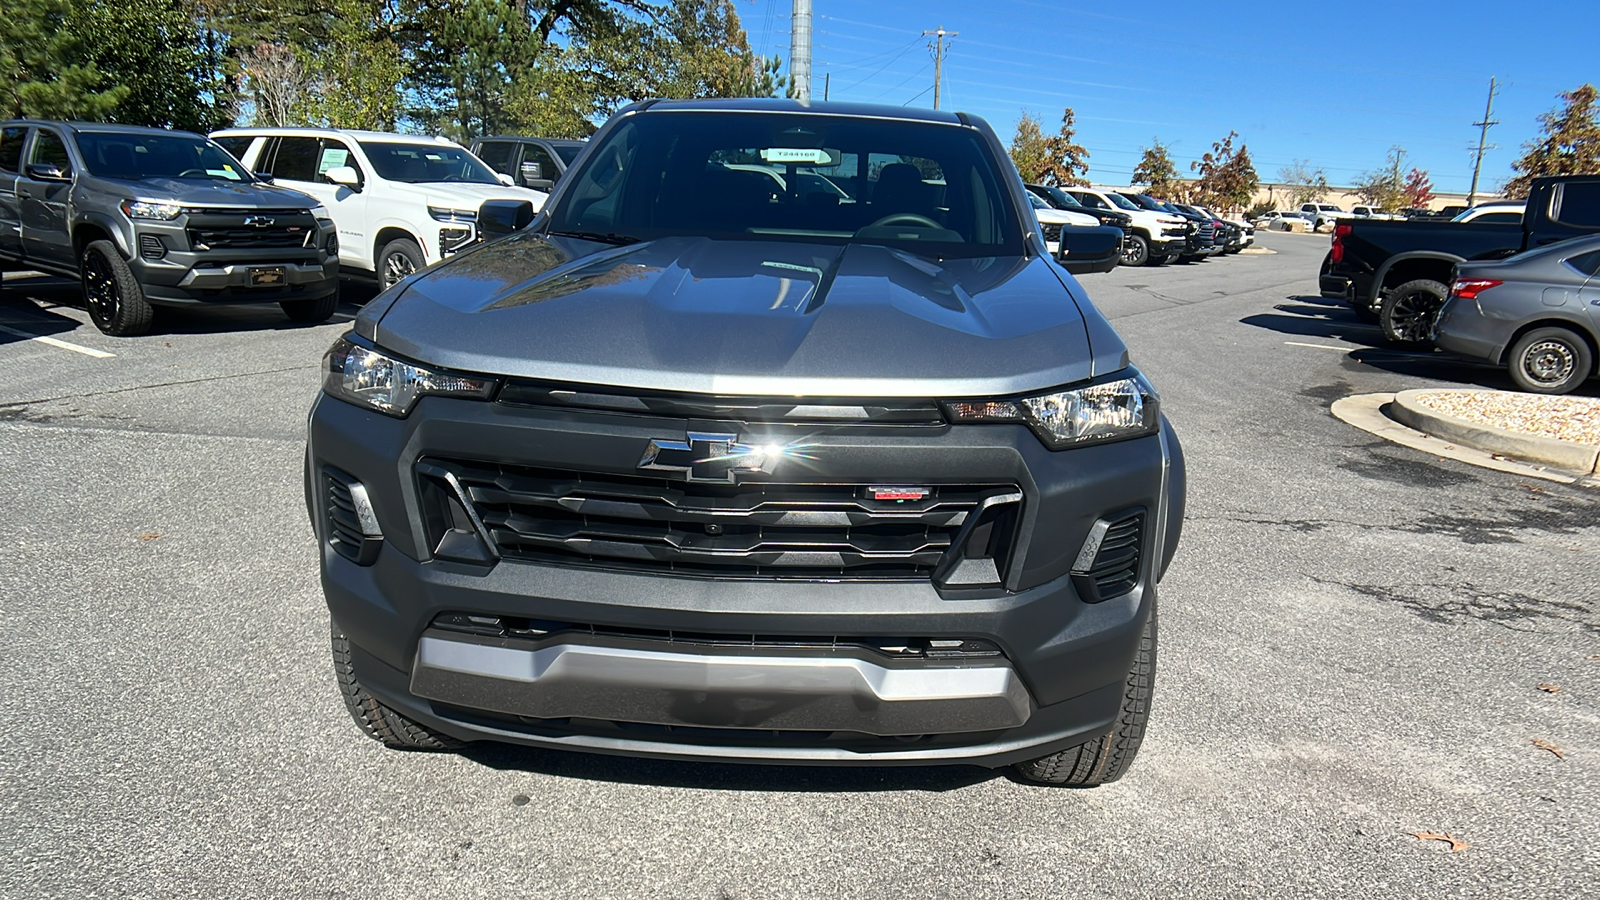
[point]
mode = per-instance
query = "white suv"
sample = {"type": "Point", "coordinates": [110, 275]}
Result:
{"type": "Point", "coordinates": [400, 201]}
{"type": "Point", "coordinates": [1157, 238]}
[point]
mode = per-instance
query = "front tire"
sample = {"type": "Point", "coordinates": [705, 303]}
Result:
{"type": "Point", "coordinates": [1135, 251]}
{"type": "Point", "coordinates": [377, 721]}
{"type": "Point", "coordinates": [398, 259]}
{"type": "Point", "coordinates": [113, 296]}
{"type": "Point", "coordinates": [1408, 313]}
{"type": "Point", "coordinates": [1550, 361]}
{"type": "Point", "coordinates": [1109, 756]}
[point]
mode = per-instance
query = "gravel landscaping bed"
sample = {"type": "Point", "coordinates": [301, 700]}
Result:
{"type": "Point", "coordinates": [1575, 419]}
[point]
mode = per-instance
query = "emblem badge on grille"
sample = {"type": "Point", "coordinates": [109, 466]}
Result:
{"type": "Point", "coordinates": [259, 221]}
{"type": "Point", "coordinates": [707, 457]}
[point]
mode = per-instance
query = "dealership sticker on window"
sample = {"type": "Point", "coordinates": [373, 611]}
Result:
{"type": "Point", "coordinates": [813, 157]}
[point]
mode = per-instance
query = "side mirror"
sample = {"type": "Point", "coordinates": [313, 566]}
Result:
{"type": "Point", "coordinates": [497, 218]}
{"type": "Point", "coordinates": [505, 179]}
{"type": "Point", "coordinates": [532, 171]}
{"type": "Point", "coordinates": [266, 177]}
{"type": "Point", "coordinates": [47, 172]}
{"type": "Point", "coordinates": [344, 176]}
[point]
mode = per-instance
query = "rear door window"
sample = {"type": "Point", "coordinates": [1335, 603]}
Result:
{"type": "Point", "coordinates": [296, 159]}
{"type": "Point", "coordinates": [11, 147]}
{"type": "Point", "coordinates": [1580, 204]}
{"type": "Point", "coordinates": [498, 155]}
{"type": "Point", "coordinates": [1587, 263]}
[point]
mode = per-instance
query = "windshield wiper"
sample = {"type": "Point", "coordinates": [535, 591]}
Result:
{"type": "Point", "coordinates": [603, 237]}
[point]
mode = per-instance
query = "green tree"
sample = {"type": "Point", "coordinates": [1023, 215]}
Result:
{"type": "Point", "coordinates": [141, 62]}
{"type": "Point", "coordinates": [357, 73]}
{"type": "Point", "coordinates": [1227, 179]}
{"type": "Point", "coordinates": [1068, 160]}
{"type": "Point", "coordinates": [1156, 169]}
{"type": "Point", "coordinates": [46, 69]}
{"type": "Point", "coordinates": [1030, 149]}
{"type": "Point", "coordinates": [1568, 143]}
{"type": "Point", "coordinates": [1302, 183]}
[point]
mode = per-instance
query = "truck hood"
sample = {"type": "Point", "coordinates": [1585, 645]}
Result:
{"type": "Point", "coordinates": [698, 315]}
{"type": "Point", "coordinates": [455, 195]}
{"type": "Point", "coordinates": [192, 192]}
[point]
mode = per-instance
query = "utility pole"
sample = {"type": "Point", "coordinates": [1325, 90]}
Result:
{"type": "Point", "coordinates": [827, 80]}
{"type": "Point", "coordinates": [800, 51]}
{"type": "Point", "coordinates": [1483, 137]}
{"type": "Point", "coordinates": [938, 59]}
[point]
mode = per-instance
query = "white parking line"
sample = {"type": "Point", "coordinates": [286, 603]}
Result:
{"type": "Point", "coordinates": [65, 345]}
{"type": "Point", "coordinates": [1320, 346]}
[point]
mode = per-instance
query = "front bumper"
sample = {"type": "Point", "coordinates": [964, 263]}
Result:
{"type": "Point", "coordinates": [183, 275]}
{"type": "Point", "coordinates": [657, 690]}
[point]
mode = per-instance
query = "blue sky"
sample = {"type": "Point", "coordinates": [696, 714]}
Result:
{"type": "Point", "coordinates": [1288, 75]}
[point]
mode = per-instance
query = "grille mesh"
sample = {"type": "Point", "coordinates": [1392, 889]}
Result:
{"type": "Point", "coordinates": [758, 530]}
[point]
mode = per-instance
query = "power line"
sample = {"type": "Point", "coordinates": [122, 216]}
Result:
{"type": "Point", "coordinates": [938, 58]}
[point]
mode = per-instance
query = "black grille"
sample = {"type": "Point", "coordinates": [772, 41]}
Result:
{"type": "Point", "coordinates": [344, 527]}
{"type": "Point", "coordinates": [1116, 567]}
{"type": "Point", "coordinates": [752, 530]}
{"type": "Point", "coordinates": [226, 230]}
{"type": "Point", "coordinates": [1050, 232]}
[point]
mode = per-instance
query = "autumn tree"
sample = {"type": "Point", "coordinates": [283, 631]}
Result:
{"type": "Point", "coordinates": [1227, 177]}
{"type": "Point", "coordinates": [1030, 149]}
{"type": "Point", "coordinates": [1569, 142]}
{"type": "Point", "coordinates": [1302, 183]}
{"type": "Point", "coordinates": [277, 84]}
{"type": "Point", "coordinates": [1069, 160]}
{"type": "Point", "coordinates": [1418, 189]}
{"type": "Point", "coordinates": [1385, 187]}
{"type": "Point", "coordinates": [1156, 169]}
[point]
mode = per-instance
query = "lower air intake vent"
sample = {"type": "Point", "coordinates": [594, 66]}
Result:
{"type": "Point", "coordinates": [352, 527]}
{"type": "Point", "coordinates": [1108, 564]}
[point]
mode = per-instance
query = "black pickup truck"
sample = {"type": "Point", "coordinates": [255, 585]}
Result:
{"type": "Point", "coordinates": [1397, 273]}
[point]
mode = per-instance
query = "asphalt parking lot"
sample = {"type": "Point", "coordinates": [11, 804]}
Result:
{"type": "Point", "coordinates": [1354, 639]}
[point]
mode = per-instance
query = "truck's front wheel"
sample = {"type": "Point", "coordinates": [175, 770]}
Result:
{"type": "Point", "coordinates": [1407, 314]}
{"type": "Point", "coordinates": [1109, 756]}
{"type": "Point", "coordinates": [115, 300]}
{"type": "Point", "coordinates": [1135, 251]}
{"type": "Point", "coordinates": [379, 722]}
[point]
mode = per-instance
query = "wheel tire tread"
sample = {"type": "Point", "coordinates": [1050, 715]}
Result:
{"type": "Point", "coordinates": [377, 721]}
{"type": "Point", "coordinates": [134, 313]}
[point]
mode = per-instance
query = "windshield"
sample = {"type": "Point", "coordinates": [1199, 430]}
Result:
{"type": "Point", "coordinates": [1124, 202]}
{"type": "Point", "coordinates": [424, 163]}
{"type": "Point", "coordinates": [140, 156]}
{"type": "Point", "coordinates": [1063, 199]}
{"type": "Point", "coordinates": [928, 188]}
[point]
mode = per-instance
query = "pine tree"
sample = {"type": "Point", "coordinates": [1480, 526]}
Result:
{"type": "Point", "coordinates": [1569, 142]}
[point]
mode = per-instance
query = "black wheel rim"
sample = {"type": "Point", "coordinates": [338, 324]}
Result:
{"type": "Point", "coordinates": [396, 268]}
{"type": "Point", "coordinates": [1413, 314]}
{"type": "Point", "coordinates": [1548, 362]}
{"type": "Point", "coordinates": [1133, 254]}
{"type": "Point", "coordinates": [100, 287]}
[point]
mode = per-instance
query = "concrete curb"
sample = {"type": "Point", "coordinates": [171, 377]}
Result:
{"type": "Point", "coordinates": [1574, 457]}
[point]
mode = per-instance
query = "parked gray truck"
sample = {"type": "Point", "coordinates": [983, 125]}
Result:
{"type": "Point", "coordinates": [146, 217]}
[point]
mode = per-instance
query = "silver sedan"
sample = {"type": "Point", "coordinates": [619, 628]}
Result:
{"type": "Point", "coordinates": [1536, 313]}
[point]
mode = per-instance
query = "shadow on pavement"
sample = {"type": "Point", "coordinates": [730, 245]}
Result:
{"type": "Point", "coordinates": [725, 776]}
{"type": "Point", "coordinates": [28, 303]}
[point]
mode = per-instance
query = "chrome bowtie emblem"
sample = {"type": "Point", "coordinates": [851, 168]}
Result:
{"type": "Point", "coordinates": [707, 457]}
{"type": "Point", "coordinates": [258, 221]}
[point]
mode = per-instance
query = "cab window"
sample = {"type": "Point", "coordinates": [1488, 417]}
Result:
{"type": "Point", "coordinates": [11, 147]}
{"type": "Point", "coordinates": [49, 149]}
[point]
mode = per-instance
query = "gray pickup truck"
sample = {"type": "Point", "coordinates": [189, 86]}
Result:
{"type": "Point", "coordinates": [146, 217]}
{"type": "Point", "coordinates": [701, 465]}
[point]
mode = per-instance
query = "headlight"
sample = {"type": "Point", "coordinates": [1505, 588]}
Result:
{"type": "Point", "coordinates": [150, 209]}
{"type": "Point", "coordinates": [1115, 410]}
{"type": "Point", "coordinates": [366, 377]}
{"type": "Point", "coordinates": [444, 214]}
{"type": "Point", "coordinates": [321, 214]}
